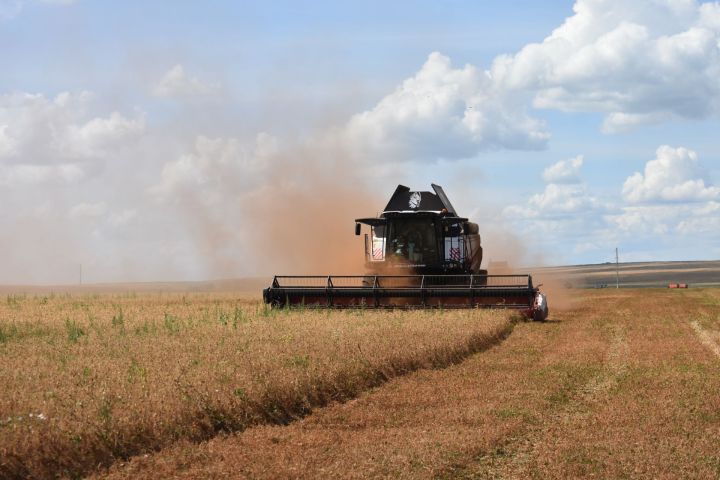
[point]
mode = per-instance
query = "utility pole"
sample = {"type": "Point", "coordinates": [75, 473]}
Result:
{"type": "Point", "coordinates": [617, 269]}
{"type": "Point", "coordinates": [81, 274]}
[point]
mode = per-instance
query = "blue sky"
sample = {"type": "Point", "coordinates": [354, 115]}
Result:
{"type": "Point", "coordinates": [152, 140]}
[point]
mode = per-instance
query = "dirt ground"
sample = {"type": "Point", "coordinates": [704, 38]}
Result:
{"type": "Point", "coordinates": [622, 385]}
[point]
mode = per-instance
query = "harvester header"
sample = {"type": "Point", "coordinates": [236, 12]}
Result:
{"type": "Point", "coordinates": [419, 253]}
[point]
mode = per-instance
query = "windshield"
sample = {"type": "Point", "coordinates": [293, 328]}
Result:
{"type": "Point", "coordinates": [412, 240]}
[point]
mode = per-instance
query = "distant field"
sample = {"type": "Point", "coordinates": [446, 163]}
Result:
{"type": "Point", "coordinates": [636, 275]}
{"type": "Point", "coordinates": [88, 380]}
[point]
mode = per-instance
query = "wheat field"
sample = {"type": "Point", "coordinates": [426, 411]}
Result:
{"type": "Point", "coordinates": [620, 384]}
{"type": "Point", "coordinates": [89, 380]}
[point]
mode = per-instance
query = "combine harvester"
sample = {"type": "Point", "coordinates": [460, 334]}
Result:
{"type": "Point", "coordinates": [419, 254]}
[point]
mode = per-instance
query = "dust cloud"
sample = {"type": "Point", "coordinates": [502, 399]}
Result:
{"type": "Point", "coordinates": [296, 217]}
{"type": "Point", "coordinates": [506, 253]}
{"type": "Point", "coordinates": [306, 226]}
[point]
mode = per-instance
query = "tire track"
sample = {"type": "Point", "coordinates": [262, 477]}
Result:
{"type": "Point", "coordinates": [519, 463]}
{"type": "Point", "coordinates": [706, 337]}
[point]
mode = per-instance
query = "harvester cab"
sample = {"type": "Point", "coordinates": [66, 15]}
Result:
{"type": "Point", "coordinates": [421, 233]}
{"type": "Point", "coordinates": [419, 253]}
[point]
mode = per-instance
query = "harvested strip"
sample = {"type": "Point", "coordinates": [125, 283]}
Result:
{"type": "Point", "coordinates": [705, 338]}
{"type": "Point", "coordinates": [656, 417]}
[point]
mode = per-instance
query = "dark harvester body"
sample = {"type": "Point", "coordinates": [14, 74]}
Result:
{"type": "Point", "coordinates": [418, 254]}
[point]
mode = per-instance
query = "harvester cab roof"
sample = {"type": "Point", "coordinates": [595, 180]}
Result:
{"type": "Point", "coordinates": [405, 201]}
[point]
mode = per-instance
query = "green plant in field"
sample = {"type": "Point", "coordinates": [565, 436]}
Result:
{"type": "Point", "coordinates": [301, 361]}
{"type": "Point", "coordinates": [172, 323]}
{"type": "Point", "coordinates": [7, 333]}
{"type": "Point", "coordinates": [105, 410]}
{"type": "Point", "coordinates": [223, 317]}
{"type": "Point", "coordinates": [512, 411]}
{"type": "Point", "coordinates": [238, 316]}
{"type": "Point", "coordinates": [144, 329]}
{"type": "Point", "coordinates": [118, 320]}
{"type": "Point", "coordinates": [266, 311]}
{"type": "Point", "coordinates": [13, 301]}
{"type": "Point", "coordinates": [136, 372]}
{"type": "Point", "coordinates": [73, 330]}
{"type": "Point", "coordinates": [12, 332]}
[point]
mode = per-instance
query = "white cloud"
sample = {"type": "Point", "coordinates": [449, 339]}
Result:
{"type": "Point", "coordinates": [444, 112]}
{"type": "Point", "coordinates": [643, 220]}
{"type": "Point", "coordinates": [121, 219]}
{"type": "Point", "coordinates": [563, 198]}
{"type": "Point", "coordinates": [91, 210]}
{"type": "Point", "coordinates": [7, 143]}
{"type": "Point", "coordinates": [175, 83]}
{"type": "Point", "coordinates": [217, 166]}
{"type": "Point", "coordinates": [564, 171]}
{"type": "Point", "coordinates": [639, 62]}
{"type": "Point", "coordinates": [660, 222]}
{"type": "Point", "coordinates": [98, 135]}
{"type": "Point", "coordinates": [624, 122]}
{"type": "Point", "coordinates": [566, 218]}
{"type": "Point", "coordinates": [37, 130]}
{"type": "Point", "coordinates": [668, 204]}
{"type": "Point", "coordinates": [705, 221]}
{"type": "Point", "coordinates": [564, 194]}
{"type": "Point", "coordinates": [674, 176]}
{"type": "Point", "coordinates": [24, 175]}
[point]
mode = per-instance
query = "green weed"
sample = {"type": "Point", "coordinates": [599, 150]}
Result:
{"type": "Point", "coordinates": [73, 330]}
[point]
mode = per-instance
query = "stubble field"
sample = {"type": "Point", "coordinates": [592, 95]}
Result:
{"type": "Point", "coordinates": [618, 384]}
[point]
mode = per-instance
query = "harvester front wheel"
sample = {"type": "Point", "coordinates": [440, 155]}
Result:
{"type": "Point", "coordinates": [481, 278]}
{"type": "Point", "coordinates": [540, 310]}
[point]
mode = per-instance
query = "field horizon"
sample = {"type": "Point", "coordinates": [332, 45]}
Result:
{"type": "Point", "coordinates": [632, 275]}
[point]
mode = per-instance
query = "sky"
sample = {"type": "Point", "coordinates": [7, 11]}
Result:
{"type": "Point", "coordinates": [182, 140]}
